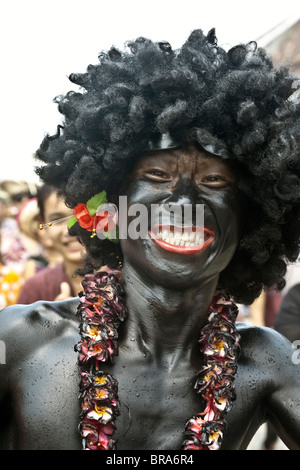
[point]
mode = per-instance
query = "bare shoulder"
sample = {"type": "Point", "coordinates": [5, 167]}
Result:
{"type": "Point", "coordinates": [264, 345]}
{"type": "Point", "coordinates": [41, 313]}
{"type": "Point", "coordinates": [24, 328]}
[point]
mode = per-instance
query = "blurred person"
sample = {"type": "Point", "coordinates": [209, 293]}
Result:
{"type": "Point", "coordinates": [263, 311]}
{"type": "Point", "coordinates": [288, 318]}
{"type": "Point", "coordinates": [19, 192]}
{"type": "Point", "coordinates": [292, 276]}
{"type": "Point", "coordinates": [287, 322]}
{"type": "Point", "coordinates": [10, 279]}
{"type": "Point", "coordinates": [13, 246]}
{"type": "Point", "coordinates": [39, 246]}
{"type": "Point", "coordinates": [10, 286]}
{"type": "Point", "coordinates": [52, 256]}
{"type": "Point", "coordinates": [58, 282]}
{"type": "Point", "coordinates": [272, 306]}
{"type": "Point", "coordinates": [257, 309]}
{"type": "Point", "coordinates": [4, 200]}
{"type": "Point", "coordinates": [28, 222]}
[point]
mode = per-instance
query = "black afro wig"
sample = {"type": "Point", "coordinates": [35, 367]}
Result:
{"type": "Point", "coordinates": [234, 102]}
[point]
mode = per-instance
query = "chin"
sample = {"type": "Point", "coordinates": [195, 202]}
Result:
{"type": "Point", "coordinates": [166, 268]}
{"type": "Point", "coordinates": [178, 267]}
{"type": "Point", "coordinates": [75, 257]}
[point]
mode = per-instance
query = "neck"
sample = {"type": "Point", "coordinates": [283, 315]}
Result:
{"type": "Point", "coordinates": [165, 323]}
{"type": "Point", "coordinates": [75, 279]}
{"type": "Point", "coordinates": [101, 310]}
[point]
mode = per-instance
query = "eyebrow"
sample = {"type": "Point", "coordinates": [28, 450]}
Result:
{"type": "Point", "coordinates": [57, 215]}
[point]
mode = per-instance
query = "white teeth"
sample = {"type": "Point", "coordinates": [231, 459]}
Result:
{"type": "Point", "coordinates": [181, 239]}
{"type": "Point", "coordinates": [164, 235]}
{"type": "Point", "coordinates": [192, 236]}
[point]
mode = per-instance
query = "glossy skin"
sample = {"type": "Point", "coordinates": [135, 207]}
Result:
{"type": "Point", "coordinates": [189, 177]}
{"type": "Point", "coordinates": [167, 296]}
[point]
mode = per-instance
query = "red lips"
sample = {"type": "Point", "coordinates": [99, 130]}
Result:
{"type": "Point", "coordinates": [207, 237]}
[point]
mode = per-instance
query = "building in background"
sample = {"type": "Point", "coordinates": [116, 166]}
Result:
{"type": "Point", "coordinates": [283, 43]}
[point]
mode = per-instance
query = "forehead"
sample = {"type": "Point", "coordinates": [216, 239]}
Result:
{"type": "Point", "coordinates": [181, 158]}
{"type": "Point", "coordinates": [54, 204]}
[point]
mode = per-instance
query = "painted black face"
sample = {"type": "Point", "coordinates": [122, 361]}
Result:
{"type": "Point", "coordinates": [184, 177]}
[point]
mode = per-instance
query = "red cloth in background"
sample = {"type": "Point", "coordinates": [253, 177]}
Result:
{"type": "Point", "coordinates": [45, 285]}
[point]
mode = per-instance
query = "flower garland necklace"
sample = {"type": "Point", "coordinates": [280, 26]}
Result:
{"type": "Point", "coordinates": [101, 311]}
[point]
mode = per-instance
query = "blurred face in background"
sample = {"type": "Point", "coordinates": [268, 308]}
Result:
{"type": "Point", "coordinates": [70, 249]}
{"type": "Point", "coordinates": [3, 210]}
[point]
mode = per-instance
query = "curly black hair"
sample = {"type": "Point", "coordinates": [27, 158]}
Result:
{"type": "Point", "coordinates": [235, 102]}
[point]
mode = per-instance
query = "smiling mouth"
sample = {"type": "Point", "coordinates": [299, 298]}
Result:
{"type": "Point", "coordinates": [182, 240]}
{"type": "Point", "coordinates": [73, 246]}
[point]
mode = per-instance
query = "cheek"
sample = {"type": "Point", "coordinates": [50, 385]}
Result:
{"type": "Point", "coordinates": [139, 203]}
{"type": "Point", "coordinates": [147, 193]}
{"type": "Point", "coordinates": [55, 236]}
{"type": "Point", "coordinates": [236, 211]}
{"type": "Point", "coordinates": [229, 219]}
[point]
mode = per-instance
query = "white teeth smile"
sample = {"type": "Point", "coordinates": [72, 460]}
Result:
{"type": "Point", "coordinates": [181, 238]}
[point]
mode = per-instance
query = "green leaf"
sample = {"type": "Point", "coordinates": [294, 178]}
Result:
{"type": "Point", "coordinates": [109, 233]}
{"type": "Point", "coordinates": [96, 201]}
{"type": "Point", "coordinates": [71, 222]}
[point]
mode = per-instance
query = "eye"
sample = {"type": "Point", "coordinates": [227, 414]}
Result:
{"type": "Point", "coordinates": [156, 174]}
{"type": "Point", "coordinates": [215, 181]}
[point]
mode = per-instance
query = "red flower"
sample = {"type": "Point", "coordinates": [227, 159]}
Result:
{"type": "Point", "coordinates": [103, 221]}
{"type": "Point", "coordinates": [97, 436]}
{"type": "Point", "coordinates": [83, 217]}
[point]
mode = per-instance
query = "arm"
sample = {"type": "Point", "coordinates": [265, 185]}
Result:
{"type": "Point", "coordinates": [4, 376]}
{"type": "Point", "coordinates": [14, 327]}
{"type": "Point", "coordinates": [6, 325]}
{"type": "Point", "coordinates": [27, 330]}
{"type": "Point", "coordinates": [284, 400]}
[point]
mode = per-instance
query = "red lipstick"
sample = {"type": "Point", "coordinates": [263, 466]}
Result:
{"type": "Point", "coordinates": [182, 240]}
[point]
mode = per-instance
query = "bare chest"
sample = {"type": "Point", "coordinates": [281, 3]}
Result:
{"type": "Point", "coordinates": [154, 409]}
{"type": "Point", "coordinates": [154, 405]}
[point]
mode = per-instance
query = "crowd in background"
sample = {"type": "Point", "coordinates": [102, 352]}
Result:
{"type": "Point", "coordinates": [35, 264]}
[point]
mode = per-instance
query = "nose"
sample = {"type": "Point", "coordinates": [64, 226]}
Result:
{"type": "Point", "coordinates": [184, 192]}
{"type": "Point", "coordinates": [65, 232]}
{"type": "Point", "coordinates": [184, 203]}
